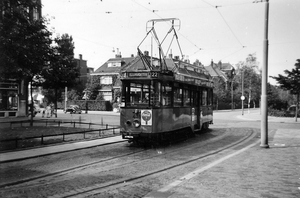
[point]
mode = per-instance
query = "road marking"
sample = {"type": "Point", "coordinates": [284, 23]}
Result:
{"type": "Point", "coordinates": [279, 144]}
{"type": "Point", "coordinates": [200, 170]}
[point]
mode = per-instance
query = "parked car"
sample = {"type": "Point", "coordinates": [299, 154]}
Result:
{"type": "Point", "coordinates": [73, 109]}
{"type": "Point", "coordinates": [291, 111]}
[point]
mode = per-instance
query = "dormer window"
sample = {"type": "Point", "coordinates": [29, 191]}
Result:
{"type": "Point", "coordinates": [114, 64]}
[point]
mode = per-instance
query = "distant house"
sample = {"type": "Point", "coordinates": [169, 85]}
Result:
{"type": "Point", "coordinates": [223, 71]}
{"type": "Point", "coordinates": [108, 75]}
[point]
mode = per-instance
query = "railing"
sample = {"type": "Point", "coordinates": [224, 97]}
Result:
{"type": "Point", "coordinates": [100, 132]}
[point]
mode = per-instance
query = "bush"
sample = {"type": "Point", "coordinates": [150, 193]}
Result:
{"type": "Point", "coordinates": [92, 105]}
{"type": "Point", "coordinates": [276, 113]}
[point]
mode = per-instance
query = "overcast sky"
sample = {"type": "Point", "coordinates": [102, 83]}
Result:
{"type": "Point", "coordinates": [226, 30]}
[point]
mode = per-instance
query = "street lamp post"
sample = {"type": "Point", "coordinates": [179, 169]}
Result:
{"type": "Point", "coordinates": [243, 97]}
{"type": "Point", "coordinates": [232, 78]}
{"type": "Point", "coordinates": [264, 101]}
{"type": "Point", "coordinates": [86, 92]}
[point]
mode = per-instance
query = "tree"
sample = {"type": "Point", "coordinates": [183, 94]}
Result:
{"type": "Point", "coordinates": [25, 43]}
{"type": "Point", "coordinates": [93, 86]}
{"type": "Point", "coordinates": [62, 71]}
{"type": "Point", "coordinates": [220, 92]}
{"type": "Point", "coordinates": [251, 79]}
{"type": "Point", "coordinates": [291, 82]}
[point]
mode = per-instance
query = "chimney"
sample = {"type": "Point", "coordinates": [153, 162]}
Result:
{"type": "Point", "coordinates": [118, 55]}
{"type": "Point", "coordinates": [146, 53]}
{"type": "Point", "coordinates": [80, 56]}
{"type": "Point", "coordinates": [132, 55]}
{"type": "Point", "coordinates": [220, 65]}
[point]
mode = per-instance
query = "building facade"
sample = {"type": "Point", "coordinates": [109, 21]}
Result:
{"type": "Point", "coordinates": [108, 76]}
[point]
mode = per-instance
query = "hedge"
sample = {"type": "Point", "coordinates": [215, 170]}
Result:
{"type": "Point", "coordinates": [93, 105]}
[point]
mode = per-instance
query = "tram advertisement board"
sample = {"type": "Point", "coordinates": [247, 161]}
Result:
{"type": "Point", "coordinates": [192, 80]}
{"type": "Point", "coordinates": [138, 74]}
{"type": "Point", "coordinates": [146, 117]}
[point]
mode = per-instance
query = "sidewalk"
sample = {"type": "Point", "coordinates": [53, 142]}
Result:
{"type": "Point", "coordinates": [256, 116]}
{"type": "Point", "coordinates": [248, 172]}
{"type": "Point", "coordinates": [251, 172]}
{"type": "Point", "coordinates": [41, 151]}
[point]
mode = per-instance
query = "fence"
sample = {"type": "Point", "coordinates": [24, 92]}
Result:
{"type": "Point", "coordinates": [89, 131]}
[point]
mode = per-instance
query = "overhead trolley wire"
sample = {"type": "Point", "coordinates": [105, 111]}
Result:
{"type": "Point", "coordinates": [229, 27]}
{"type": "Point", "coordinates": [213, 6]}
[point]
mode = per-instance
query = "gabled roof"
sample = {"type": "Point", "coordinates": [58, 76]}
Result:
{"type": "Point", "coordinates": [211, 71]}
{"type": "Point", "coordinates": [214, 71]}
{"type": "Point", "coordinates": [103, 69]}
{"type": "Point", "coordinates": [226, 66]}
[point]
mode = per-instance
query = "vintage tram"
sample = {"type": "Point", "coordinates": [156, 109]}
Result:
{"type": "Point", "coordinates": [164, 98]}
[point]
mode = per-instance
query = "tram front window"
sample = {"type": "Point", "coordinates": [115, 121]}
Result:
{"type": "Point", "coordinates": [139, 94]}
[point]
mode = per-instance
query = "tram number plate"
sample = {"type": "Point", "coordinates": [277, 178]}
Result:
{"type": "Point", "coordinates": [128, 136]}
{"type": "Point", "coordinates": [154, 74]}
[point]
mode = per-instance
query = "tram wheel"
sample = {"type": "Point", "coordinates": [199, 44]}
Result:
{"type": "Point", "coordinates": [205, 126]}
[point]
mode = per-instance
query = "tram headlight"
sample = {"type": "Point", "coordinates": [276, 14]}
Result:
{"type": "Point", "coordinates": [128, 122]}
{"type": "Point", "coordinates": [136, 123]}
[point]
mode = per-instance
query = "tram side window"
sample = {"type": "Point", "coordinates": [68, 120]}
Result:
{"type": "Point", "coordinates": [186, 98]}
{"type": "Point", "coordinates": [209, 97]}
{"type": "Point", "coordinates": [204, 97]}
{"type": "Point", "coordinates": [194, 101]}
{"type": "Point", "coordinates": [155, 94]}
{"type": "Point", "coordinates": [166, 95]}
{"type": "Point", "coordinates": [177, 97]}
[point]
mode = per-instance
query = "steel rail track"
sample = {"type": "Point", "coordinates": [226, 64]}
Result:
{"type": "Point", "coordinates": [67, 170]}
{"type": "Point", "coordinates": [98, 188]}
{"type": "Point", "coordinates": [84, 166]}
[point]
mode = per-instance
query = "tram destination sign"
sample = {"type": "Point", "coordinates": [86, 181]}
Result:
{"type": "Point", "coordinates": [143, 74]}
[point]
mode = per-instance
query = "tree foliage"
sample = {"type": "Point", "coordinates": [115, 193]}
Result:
{"type": "Point", "coordinates": [93, 85]}
{"type": "Point", "coordinates": [291, 82]}
{"type": "Point", "coordinates": [25, 44]}
{"type": "Point", "coordinates": [249, 75]}
{"type": "Point", "coordinates": [62, 70]}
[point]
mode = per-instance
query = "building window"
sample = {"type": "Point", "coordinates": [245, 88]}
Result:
{"type": "Point", "coordinates": [114, 64]}
{"type": "Point", "coordinates": [8, 97]}
{"type": "Point", "coordinates": [107, 95]}
{"type": "Point", "coordinates": [106, 80]}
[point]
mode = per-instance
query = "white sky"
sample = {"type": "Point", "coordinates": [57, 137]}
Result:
{"type": "Point", "coordinates": [99, 26]}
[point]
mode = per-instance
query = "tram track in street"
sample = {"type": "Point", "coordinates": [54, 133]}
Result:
{"type": "Point", "coordinates": [98, 188]}
{"type": "Point", "coordinates": [65, 171]}
{"type": "Point", "coordinates": [83, 166]}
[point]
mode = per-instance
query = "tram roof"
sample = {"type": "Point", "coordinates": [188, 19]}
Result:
{"type": "Point", "coordinates": [178, 67]}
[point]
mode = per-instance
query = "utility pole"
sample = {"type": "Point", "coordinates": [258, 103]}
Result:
{"type": "Point", "coordinates": [243, 97]}
{"type": "Point", "coordinates": [66, 97]}
{"type": "Point", "coordinates": [264, 101]}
